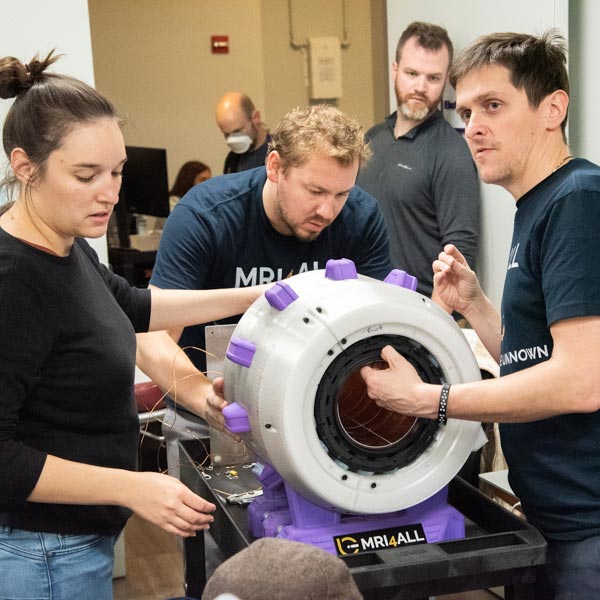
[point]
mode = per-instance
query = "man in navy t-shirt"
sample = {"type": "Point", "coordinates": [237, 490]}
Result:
{"type": "Point", "coordinates": [512, 93]}
{"type": "Point", "coordinates": [265, 224]}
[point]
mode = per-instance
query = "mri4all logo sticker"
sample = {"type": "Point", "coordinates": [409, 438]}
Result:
{"type": "Point", "coordinates": [380, 539]}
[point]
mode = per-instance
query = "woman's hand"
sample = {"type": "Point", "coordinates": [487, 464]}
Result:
{"type": "Point", "coordinates": [169, 504]}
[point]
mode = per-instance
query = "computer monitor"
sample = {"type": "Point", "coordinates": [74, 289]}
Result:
{"type": "Point", "coordinates": [144, 191]}
{"type": "Point", "coordinates": [145, 187]}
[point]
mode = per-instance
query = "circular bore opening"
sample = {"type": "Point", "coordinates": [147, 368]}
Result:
{"type": "Point", "coordinates": [362, 421]}
{"type": "Point", "coordinates": [353, 429]}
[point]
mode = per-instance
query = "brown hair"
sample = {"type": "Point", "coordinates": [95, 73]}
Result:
{"type": "Point", "coordinates": [322, 130]}
{"type": "Point", "coordinates": [46, 108]}
{"type": "Point", "coordinates": [429, 36]}
{"type": "Point", "coordinates": [537, 65]}
{"type": "Point", "coordinates": [185, 178]}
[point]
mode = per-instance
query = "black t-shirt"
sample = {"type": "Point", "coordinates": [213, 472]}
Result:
{"type": "Point", "coordinates": [553, 274]}
{"type": "Point", "coordinates": [67, 362]}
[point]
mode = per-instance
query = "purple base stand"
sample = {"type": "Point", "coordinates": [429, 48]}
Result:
{"type": "Point", "coordinates": [282, 512]}
{"type": "Point", "coordinates": [263, 508]}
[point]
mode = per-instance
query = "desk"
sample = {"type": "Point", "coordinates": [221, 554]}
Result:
{"type": "Point", "coordinates": [499, 549]}
{"type": "Point", "coordinates": [134, 265]}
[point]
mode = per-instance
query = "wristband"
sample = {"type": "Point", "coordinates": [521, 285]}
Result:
{"type": "Point", "coordinates": [442, 419]}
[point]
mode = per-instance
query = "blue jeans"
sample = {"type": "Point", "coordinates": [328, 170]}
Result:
{"type": "Point", "coordinates": [572, 571]}
{"type": "Point", "coordinates": [49, 566]}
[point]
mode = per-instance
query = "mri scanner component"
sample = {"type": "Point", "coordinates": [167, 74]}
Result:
{"type": "Point", "coordinates": [292, 374]}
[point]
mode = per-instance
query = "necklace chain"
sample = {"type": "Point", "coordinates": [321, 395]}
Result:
{"type": "Point", "coordinates": [562, 162]}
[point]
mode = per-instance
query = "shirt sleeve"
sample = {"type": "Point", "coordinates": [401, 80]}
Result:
{"type": "Point", "coordinates": [183, 258]}
{"type": "Point", "coordinates": [569, 257]}
{"type": "Point", "coordinates": [26, 335]}
{"type": "Point", "coordinates": [135, 302]}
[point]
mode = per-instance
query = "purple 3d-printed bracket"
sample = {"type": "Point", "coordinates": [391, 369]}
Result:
{"type": "Point", "coordinates": [273, 499]}
{"type": "Point", "coordinates": [402, 279]}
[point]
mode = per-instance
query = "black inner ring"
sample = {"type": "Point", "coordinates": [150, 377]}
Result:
{"type": "Point", "coordinates": [356, 431]}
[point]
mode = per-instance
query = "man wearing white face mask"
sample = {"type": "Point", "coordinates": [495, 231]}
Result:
{"type": "Point", "coordinates": [245, 134]}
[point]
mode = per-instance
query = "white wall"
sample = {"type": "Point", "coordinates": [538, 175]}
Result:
{"type": "Point", "coordinates": [584, 50]}
{"type": "Point", "coordinates": [28, 27]}
{"type": "Point", "coordinates": [465, 20]}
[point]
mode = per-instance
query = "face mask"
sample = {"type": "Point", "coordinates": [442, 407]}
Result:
{"type": "Point", "coordinates": [239, 142]}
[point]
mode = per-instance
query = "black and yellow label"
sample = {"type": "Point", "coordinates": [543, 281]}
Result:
{"type": "Point", "coordinates": [380, 539]}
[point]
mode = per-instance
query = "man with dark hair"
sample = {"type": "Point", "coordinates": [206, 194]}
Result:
{"type": "Point", "coordinates": [512, 94]}
{"type": "Point", "coordinates": [245, 133]}
{"type": "Point", "coordinates": [421, 174]}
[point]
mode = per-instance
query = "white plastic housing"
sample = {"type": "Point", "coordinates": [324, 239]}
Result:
{"type": "Point", "coordinates": [278, 389]}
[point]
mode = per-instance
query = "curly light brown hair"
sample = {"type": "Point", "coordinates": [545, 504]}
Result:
{"type": "Point", "coordinates": [321, 130]}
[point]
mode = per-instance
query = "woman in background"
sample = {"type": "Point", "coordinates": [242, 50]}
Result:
{"type": "Point", "coordinates": [68, 422]}
{"type": "Point", "coordinates": [191, 173]}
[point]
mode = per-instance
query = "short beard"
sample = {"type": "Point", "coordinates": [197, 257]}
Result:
{"type": "Point", "coordinates": [414, 114]}
{"type": "Point", "coordinates": [306, 238]}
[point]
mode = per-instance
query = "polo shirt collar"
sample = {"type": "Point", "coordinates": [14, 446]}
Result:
{"type": "Point", "coordinates": [436, 115]}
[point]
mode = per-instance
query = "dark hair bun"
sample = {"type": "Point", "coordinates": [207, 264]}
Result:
{"type": "Point", "coordinates": [15, 77]}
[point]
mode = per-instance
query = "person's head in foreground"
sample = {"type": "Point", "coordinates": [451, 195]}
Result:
{"type": "Point", "coordinates": [280, 569]}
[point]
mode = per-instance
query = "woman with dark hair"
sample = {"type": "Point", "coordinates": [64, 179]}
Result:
{"type": "Point", "coordinates": [68, 422]}
{"type": "Point", "coordinates": [191, 173]}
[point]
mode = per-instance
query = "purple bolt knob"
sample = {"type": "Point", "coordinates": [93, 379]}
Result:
{"type": "Point", "coordinates": [240, 351]}
{"type": "Point", "coordinates": [236, 418]}
{"type": "Point", "coordinates": [281, 295]}
{"type": "Point", "coordinates": [402, 279]}
{"type": "Point", "coordinates": [340, 268]}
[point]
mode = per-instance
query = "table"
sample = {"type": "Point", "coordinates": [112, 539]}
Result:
{"type": "Point", "coordinates": [499, 549]}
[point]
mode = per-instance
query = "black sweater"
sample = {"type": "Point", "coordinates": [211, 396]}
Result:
{"type": "Point", "coordinates": [67, 362]}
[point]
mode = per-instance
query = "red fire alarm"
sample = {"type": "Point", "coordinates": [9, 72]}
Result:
{"type": "Point", "coordinates": [219, 44]}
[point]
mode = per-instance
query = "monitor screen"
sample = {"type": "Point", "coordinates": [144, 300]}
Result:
{"type": "Point", "coordinates": [145, 187]}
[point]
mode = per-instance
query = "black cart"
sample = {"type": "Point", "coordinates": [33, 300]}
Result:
{"type": "Point", "coordinates": [500, 549]}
